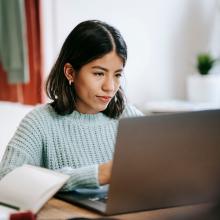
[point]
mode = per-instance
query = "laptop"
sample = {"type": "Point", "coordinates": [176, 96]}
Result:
{"type": "Point", "coordinates": [160, 161]}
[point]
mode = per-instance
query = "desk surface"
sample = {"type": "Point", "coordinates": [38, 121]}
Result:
{"type": "Point", "coordinates": [57, 209]}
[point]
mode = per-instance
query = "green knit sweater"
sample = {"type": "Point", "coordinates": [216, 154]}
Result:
{"type": "Point", "coordinates": [73, 144]}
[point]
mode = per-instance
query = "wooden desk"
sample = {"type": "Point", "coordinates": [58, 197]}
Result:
{"type": "Point", "coordinates": [57, 209]}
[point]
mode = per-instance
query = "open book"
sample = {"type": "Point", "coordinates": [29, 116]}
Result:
{"type": "Point", "coordinates": [28, 188]}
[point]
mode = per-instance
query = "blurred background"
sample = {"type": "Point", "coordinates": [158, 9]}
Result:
{"type": "Point", "coordinates": [163, 38]}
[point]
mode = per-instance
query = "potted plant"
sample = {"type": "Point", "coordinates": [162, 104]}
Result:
{"type": "Point", "coordinates": [204, 86]}
{"type": "Point", "coordinates": [205, 62]}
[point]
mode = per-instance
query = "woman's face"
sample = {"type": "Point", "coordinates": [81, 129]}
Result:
{"type": "Point", "coordinates": [97, 82]}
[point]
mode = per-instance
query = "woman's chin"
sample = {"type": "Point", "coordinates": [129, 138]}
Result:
{"type": "Point", "coordinates": [102, 108]}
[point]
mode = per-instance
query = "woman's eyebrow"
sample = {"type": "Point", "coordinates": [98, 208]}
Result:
{"type": "Point", "coordinates": [102, 68]}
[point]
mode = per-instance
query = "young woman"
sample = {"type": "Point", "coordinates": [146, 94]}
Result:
{"type": "Point", "coordinates": [75, 134]}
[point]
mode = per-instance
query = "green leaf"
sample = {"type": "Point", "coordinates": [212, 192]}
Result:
{"type": "Point", "coordinates": [205, 63]}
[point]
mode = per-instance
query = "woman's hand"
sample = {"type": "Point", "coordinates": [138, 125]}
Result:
{"type": "Point", "coordinates": [105, 173]}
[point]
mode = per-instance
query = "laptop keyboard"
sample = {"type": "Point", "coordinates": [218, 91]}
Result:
{"type": "Point", "coordinates": [99, 199]}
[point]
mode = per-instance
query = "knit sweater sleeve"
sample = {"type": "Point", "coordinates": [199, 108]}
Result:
{"type": "Point", "coordinates": [84, 177]}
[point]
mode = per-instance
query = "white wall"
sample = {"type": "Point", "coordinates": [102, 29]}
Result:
{"type": "Point", "coordinates": [163, 38]}
{"type": "Point", "coordinates": [10, 116]}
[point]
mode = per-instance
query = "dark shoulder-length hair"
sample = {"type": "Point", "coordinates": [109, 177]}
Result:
{"type": "Point", "coordinates": [88, 41]}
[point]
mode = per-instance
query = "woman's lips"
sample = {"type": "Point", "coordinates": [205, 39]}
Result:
{"type": "Point", "coordinates": [104, 99]}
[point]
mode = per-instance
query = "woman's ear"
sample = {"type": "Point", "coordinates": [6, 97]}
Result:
{"type": "Point", "coordinates": [69, 72]}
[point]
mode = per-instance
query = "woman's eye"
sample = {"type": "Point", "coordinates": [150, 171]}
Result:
{"type": "Point", "coordinates": [99, 74]}
{"type": "Point", "coordinates": [118, 75]}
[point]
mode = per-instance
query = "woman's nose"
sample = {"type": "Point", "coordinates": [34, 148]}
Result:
{"type": "Point", "coordinates": [108, 84]}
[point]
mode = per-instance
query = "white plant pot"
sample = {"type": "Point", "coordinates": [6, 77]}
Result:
{"type": "Point", "coordinates": [204, 88]}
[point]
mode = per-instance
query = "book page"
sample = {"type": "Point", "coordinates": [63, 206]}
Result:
{"type": "Point", "coordinates": [29, 187]}
{"type": "Point", "coordinates": [5, 212]}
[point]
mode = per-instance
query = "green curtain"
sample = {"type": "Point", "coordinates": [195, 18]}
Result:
{"type": "Point", "coordinates": [13, 41]}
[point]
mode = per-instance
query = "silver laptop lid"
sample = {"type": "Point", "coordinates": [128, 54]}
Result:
{"type": "Point", "coordinates": [165, 160]}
